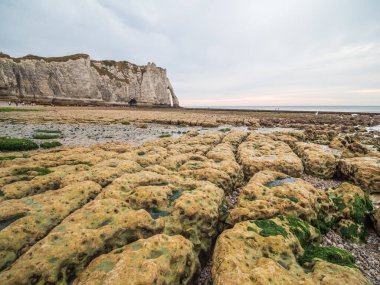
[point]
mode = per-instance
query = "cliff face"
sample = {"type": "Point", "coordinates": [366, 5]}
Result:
{"type": "Point", "coordinates": [77, 79]}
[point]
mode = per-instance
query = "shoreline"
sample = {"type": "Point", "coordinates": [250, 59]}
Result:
{"type": "Point", "coordinates": [283, 111]}
{"type": "Point", "coordinates": [208, 109]}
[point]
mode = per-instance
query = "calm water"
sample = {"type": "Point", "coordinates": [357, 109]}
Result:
{"type": "Point", "coordinates": [363, 109]}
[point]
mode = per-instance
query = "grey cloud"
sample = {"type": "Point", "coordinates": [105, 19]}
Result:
{"type": "Point", "coordinates": [217, 52]}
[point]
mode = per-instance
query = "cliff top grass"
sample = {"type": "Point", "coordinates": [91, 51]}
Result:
{"type": "Point", "coordinates": [50, 59]}
{"type": "Point", "coordinates": [13, 144]}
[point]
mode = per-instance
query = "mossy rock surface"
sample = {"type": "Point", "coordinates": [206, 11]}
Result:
{"type": "Point", "coordinates": [243, 255]}
{"type": "Point", "coordinates": [45, 136]}
{"type": "Point", "coordinates": [50, 144]}
{"type": "Point", "coordinates": [330, 254]}
{"type": "Point", "coordinates": [14, 144]}
{"type": "Point", "coordinates": [164, 259]}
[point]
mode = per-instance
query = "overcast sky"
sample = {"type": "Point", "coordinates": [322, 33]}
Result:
{"type": "Point", "coordinates": [221, 52]}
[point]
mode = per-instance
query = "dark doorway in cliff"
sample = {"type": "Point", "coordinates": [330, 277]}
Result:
{"type": "Point", "coordinates": [132, 102]}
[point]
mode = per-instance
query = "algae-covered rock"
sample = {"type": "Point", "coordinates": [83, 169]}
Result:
{"type": "Point", "coordinates": [160, 259]}
{"type": "Point", "coordinates": [97, 228]}
{"type": "Point", "coordinates": [235, 138]}
{"type": "Point", "coordinates": [25, 221]}
{"type": "Point", "coordinates": [363, 171]}
{"type": "Point", "coordinates": [269, 194]}
{"type": "Point", "coordinates": [184, 206]}
{"type": "Point", "coordinates": [289, 137]}
{"type": "Point", "coordinates": [352, 207]}
{"type": "Point", "coordinates": [224, 173]}
{"type": "Point", "coordinates": [210, 138]}
{"type": "Point", "coordinates": [145, 155]}
{"type": "Point", "coordinates": [103, 173]}
{"type": "Point", "coordinates": [316, 160]}
{"type": "Point", "coordinates": [352, 147]}
{"type": "Point", "coordinates": [222, 151]}
{"type": "Point", "coordinates": [260, 152]}
{"type": "Point", "coordinates": [352, 231]}
{"type": "Point", "coordinates": [45, 180]}
{"type": "Point", "coordinates": [282, 250]}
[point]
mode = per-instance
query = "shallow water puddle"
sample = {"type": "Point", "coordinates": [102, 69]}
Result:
{"type": "Point", "coordinates": [277, 129]}
{"type": "Point", "coordinates": [176, 194]}
{"type": "Point", "coordinates": [156, 213]}
{"type": "Point", "coordinates": [279, 182]}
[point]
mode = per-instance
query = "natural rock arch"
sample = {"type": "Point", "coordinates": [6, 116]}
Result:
{"type": "Point", "coordinates": [171, 96]}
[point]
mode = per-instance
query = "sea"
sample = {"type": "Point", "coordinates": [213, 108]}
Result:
{"type": "Point", "coordinates": [350, 109]}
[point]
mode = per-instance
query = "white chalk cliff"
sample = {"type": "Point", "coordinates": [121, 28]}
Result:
{"type": "Point", "coordinates": [78, 80]}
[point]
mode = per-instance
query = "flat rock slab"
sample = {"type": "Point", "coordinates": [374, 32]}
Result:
{"type": "Point", "coordinates": [270, 193]}
{"type": "Point", "coordinates": [25, 221]}
{"type": "Point", "coordinates": [316, 160]}
{"type": "Point", "coordinates": [363, 171]}
{"type": "Point", "coordinates": [260, 152]}
{"type": "Point", "coordinates": [160, 259]}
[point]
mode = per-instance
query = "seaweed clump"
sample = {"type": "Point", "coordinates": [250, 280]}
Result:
{"type": "Point", "coordinates": [13, 144]}
{"type": "Point", "coordinates": [329, 254]}
{"type": "Point", "coordinates": [270, 228]}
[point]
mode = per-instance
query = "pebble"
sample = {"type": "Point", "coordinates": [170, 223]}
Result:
{"type": "Point", "coordinates": [321, 183]}
{"type": "Point", "coordinates": [367, 254]}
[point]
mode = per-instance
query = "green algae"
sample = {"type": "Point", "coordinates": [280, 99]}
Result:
{"type": "Point", "coordinates": [361, 208]}
{"type": "Point", "coordinates": [339, 203]}
{"type": "Point", "coordinates": [50, 144]}
{"type": "Point", "coordinates": [53, 259]}
{"type": "Point", "coordinates": [40, 171]}
{"type": "Point", "coordinates": [165, 136]}
{"type": "Point", "coordinates": [136, 246]}
{"type": "Point", "coordinates": [154, 254]}
{"type": "Point", "coordinates": [224, 130]}
{"type": "Point", "coordinates": [270, 228]}
{"type": "Point", "coordinates": [353, 232]}
{"type": "Point", "coordinates": [49, 131]}
{"type": "Point", "coordinates": [13, 144]}
{"type": "Point", "coordinates": [11, 157]}
{"type": "Point", "coordinates": [300, 229]}
{"type": "Point", "coordinates": [45, 136]}
{"type": "Point", "coordinates": [250, 229]}
{"type": "Point", "coordinates": [291, 198]}
{"type": "Point", "coordinates": [106, 266]}
{"type": "Point", "coordinates": [330, 254]}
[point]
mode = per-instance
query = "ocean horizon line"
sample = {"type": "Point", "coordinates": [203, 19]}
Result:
{"type": "Point", "coordinates": [310, 108]}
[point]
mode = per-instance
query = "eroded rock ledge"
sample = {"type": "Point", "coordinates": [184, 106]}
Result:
{"type": "Point", "coordinates": [118, 214]}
